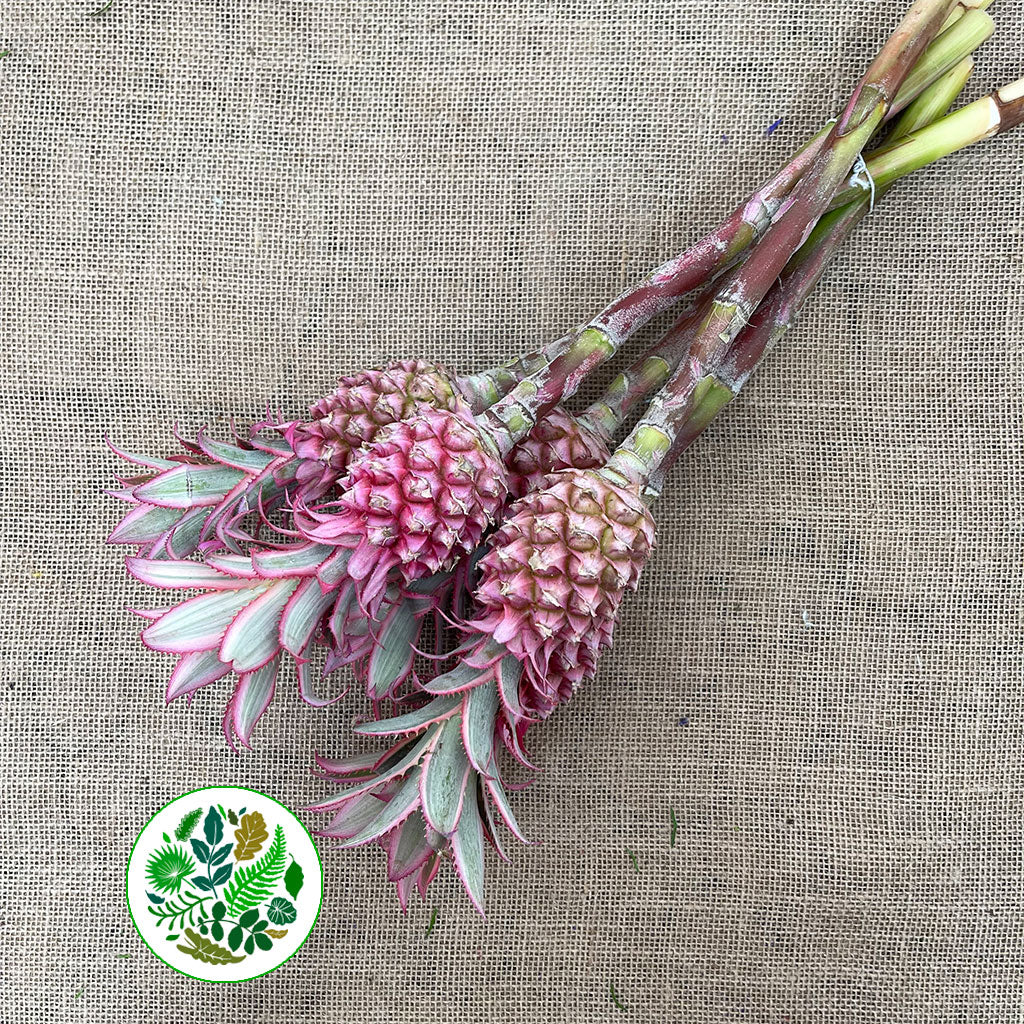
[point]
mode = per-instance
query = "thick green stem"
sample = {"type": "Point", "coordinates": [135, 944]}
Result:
{"type": "Point", "coordinates": [964, 36]}
{"type": "Point", "coordinates": [515, 413]}
{"type": "Point", "coordinates": [998, 112]}
{"type": "Point", "coordinates": [933, 103]}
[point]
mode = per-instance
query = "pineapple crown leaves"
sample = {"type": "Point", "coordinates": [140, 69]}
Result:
{"type": "Point", "coordinates": [204, 500]}
{"type": "Point", "coordinates": [213, 495]}
{"type": "Point", "coordinates": [253, 884]}
{"type": "Point", "coordinates": [435, 794]}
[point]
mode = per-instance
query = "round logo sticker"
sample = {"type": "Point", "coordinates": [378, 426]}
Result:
{"type": "Point", "coordinates": [224, 884]}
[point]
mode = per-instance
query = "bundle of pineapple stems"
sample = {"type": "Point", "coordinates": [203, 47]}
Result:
{"type": "Point", "coordinates": [462, 545]}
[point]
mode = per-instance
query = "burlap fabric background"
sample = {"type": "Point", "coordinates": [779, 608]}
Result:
{"type": "Point", "coordinates": [206, 205]}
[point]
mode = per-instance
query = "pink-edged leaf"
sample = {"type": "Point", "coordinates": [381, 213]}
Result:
{"type": "Point", "coordinates": [249, 460]}
{"type": "Point", "coordinates": [302, 615]}
{"type": "Point", "coordinates": [398, 768]}
{"type": "Point", "coordinates": [461, 678]}
{"type": "Point", "coordinates": [479, 711]}
{"type": "Point", "coordinates": [408, 850]}
{"type": "Point", "coordinates": [193, 672]}
{"type": "Point", "coordinates": [296, 560]}
{"type": "Point", "coordinates": [253, 694]}
{"type": "Point", "coordinates": [427, 875]}
{"type": "Point", "coordinates": [437, 709]}
{"type": "Point", "coordinates": [344, 606]}
{"type": "Point", "coordinates": [233, 565]}
{"type": "Point", "coordinates": [307, 688]}
{"type": "Point", "coordinates": [171, 574]}
{"type": "Point", "coordinates": [183, 539]}
{"type": "Point", "coordinates": [334, 569]}
{"type": "Point", "coordinates": [444, 777]}
{"type": "Point", "coordinates": [352, 817]}
{"type": "Point", "coordinates": [392, 657]}
{"type": "Point", "coordinates": [490, 829]}
{"type": "Point", "coordinates": [403, 888]}
{"type": "Point", "coordinates": [511, 737]}
{"type": "Point", "coordinates": [497, 791]}
{"type": "Point", "coordinates": [152, 462]}
{"type": "Point", "coordinates": [187, 486]}
{"type": "Point", "coordinates": [149, 614]}
{"type": "Point", "coordinates": [509, 672]}
{"type": "Point", "coordinates": [199, 623]}
{"type": "Point", "coordinates": [357, 764]}
{"type": "Point", "coordinates": [468, 850]}
{"type": "Point", "coordinates": [252, 638]}
{"type": "Point", "coordinates": [403, 802]}
{"type": "Point", "coordinates": [144, 524]}
{"type": "Point", "coordinates": [482, 651]}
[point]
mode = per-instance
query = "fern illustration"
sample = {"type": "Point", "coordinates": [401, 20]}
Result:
{"type": "Point", "coordinates": [184, 907]}
{"type": "Point", "coordinates": [254, 883]}
{"type": "Point", "coordinates": [187, 825]}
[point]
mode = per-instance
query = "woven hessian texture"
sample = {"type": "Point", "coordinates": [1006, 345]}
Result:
{"type": "Point", "coordinates": [209, 205]}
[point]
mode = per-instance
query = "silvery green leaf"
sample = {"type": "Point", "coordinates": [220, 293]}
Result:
{"type": "Point", "coordinates": [252, 638]}
{"type": "Point", "coordinates": [462, 677]}
{"type": "Point", "coordinates": [392, 656]}
{"type": "Point", "coordinates": [443, 778]}
{"type": "Point", "coordinates": [300, 618]}
{"type": "Point", "coordinates": [199, 623]}
{"type": "Point", "coordinates": [479, 712]}
{"type": "Point", "coordinates": [438, 708]}
{"type": "Point", "coordinates": [249, 460]}
{"type": "Point", "coordinates": [468, 849]}
{"type": "Point", "coordinates": [186, 486]}
{"type": "Point", "coordinates": [397, 809]}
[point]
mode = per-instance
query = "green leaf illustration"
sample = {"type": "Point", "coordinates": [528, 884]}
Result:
{"type": "Point", "coordinates": [213, 827]}
{"type": "Point", "coordinates": [254, 883]}
{"type": "Point", "coordinates": [293, 879]}
{"type": "Point", "coordinates": [222, 874]}
{"type": "Point", "coordinates": [281, 911]}
{"type": "Point", "coordinates": [232, 817]}
{"type": "Point", "coordinates": [153, 898]}
{"type": "Point", "coordinates": [250, 945]}
{"type": "Point", "coordinates": [221, 854]}
{"type": "Point", "coordinates": [218, 910]}
{"type": "Point", "coordinates": [207, 950]}
{"type": "Point", "coordinates": [202, 883]}
{"type": "Point", "coordinates": [235, 937]}
{"type": "Point", "coordinates": [201, 850]}
{"type": "Point", "coordinates": [217, 931]}
{"type": "Point", "coordinates": [249, 918]}
{"type": "Point", "coordinates": [168, 867]}
{"type": "Point", "coordinates": [251, 835]}
{"type": "Point", "coordinates": [175, 912]}
{"type": "Point", "coordinates": [263, 940]}
{"type": "Point", "coordinates": [187, 825]}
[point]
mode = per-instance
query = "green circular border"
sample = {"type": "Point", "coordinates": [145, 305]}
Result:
{"type": "Point", "coordinates": [224, 981]}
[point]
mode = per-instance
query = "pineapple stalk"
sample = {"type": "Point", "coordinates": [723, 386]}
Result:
{"type": "Point", "coordinates": [638, 457]}
{"type": "Point", "coordinates": [779, 312]}
{"type": "Point", "coordinates": [548, 377]}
